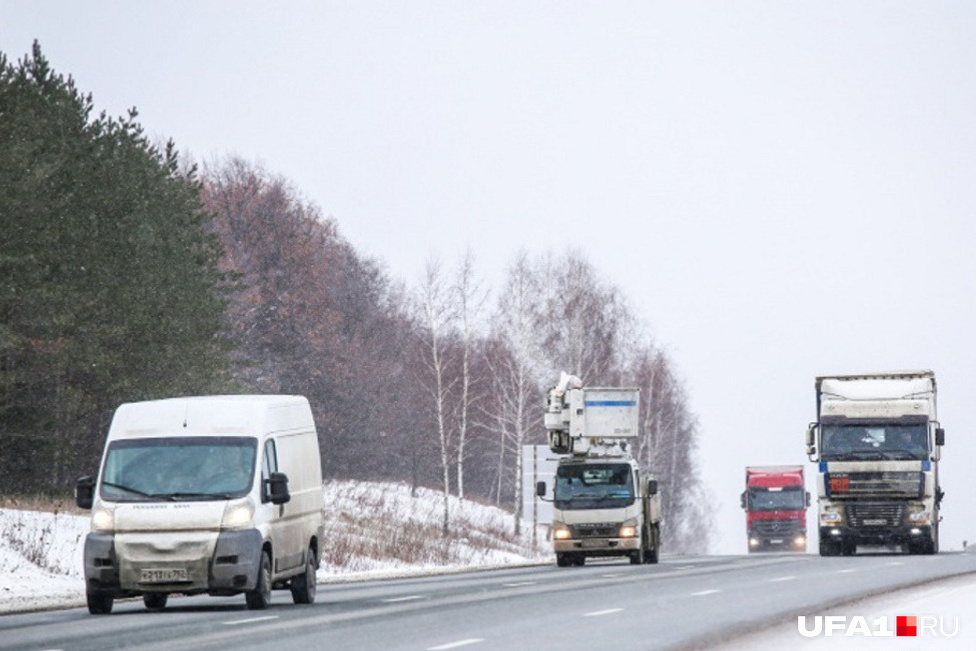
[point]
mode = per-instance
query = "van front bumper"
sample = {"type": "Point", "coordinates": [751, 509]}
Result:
{"type": "Point", "coordinates": [172, 562]}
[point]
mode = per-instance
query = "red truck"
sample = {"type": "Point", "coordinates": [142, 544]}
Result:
{"type": "Point", "coordinates": [775, 502]}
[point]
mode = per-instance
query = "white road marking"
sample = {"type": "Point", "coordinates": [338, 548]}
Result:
{"type": "Point", "coordinates": [782, 578]}
{"type": "Point", "coordinates": [703, 593]}
{"type": "Point", "coordinates": [686, 567]}
{"type": "Point", "coordinates": [519, 585]}
{"type": "Point", "coordinates": [454, 645]}
{"type": "Point", "coordinates": [896, 563]}
{"type": "Point", "coordinates": [393, 600]}
{"type": "Point", "coordinates": [611, 576]}
{"type": "Point", "coordinates": [251, 620]}
{"type": "Point", "coordinates": [608, 611]}
{"type": "Point", "coordinates": [847, 571]}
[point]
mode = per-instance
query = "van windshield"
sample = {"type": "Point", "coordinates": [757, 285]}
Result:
{"type": "Point", "coordinates": [178, 468]}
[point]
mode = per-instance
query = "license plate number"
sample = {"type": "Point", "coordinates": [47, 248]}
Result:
{"type": "Point", "coordinates": [875, 522]}
{"type": "Point", "coordinates": [164, 576]}
{"type": "Point", "coordinates": [776, 541]}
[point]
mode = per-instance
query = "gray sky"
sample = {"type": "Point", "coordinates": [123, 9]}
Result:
{"type": "Point", "coordinates": [780, 189]}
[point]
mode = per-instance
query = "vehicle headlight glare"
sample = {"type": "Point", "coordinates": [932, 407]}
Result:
{"type": "Point", "coordinates": [561, 533]}
{"type": "Point", "coordinates": [103, 520]}
{"type": "Point", "coordinates": [238, 515]}
{"type": "Point", "coordinates": [628, 531]}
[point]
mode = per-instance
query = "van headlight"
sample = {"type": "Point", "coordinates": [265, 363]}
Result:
{"type": "Point", "coordinates": [238, 515]}
{"type": "Point", "coordinates": [103, 520]}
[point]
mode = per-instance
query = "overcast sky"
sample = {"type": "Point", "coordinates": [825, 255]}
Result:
{"type": "Point", "coordinates": [780, 189]}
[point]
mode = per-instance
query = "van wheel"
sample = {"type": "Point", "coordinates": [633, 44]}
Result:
{"type": "Point", "coordinates": [260, 597]}
{"type": "Point", "coordinates": [99, 603]}
{"type": "Point", "coordinates": [303, 586]}
{"type": "Point", "coordinates": [155, 600]}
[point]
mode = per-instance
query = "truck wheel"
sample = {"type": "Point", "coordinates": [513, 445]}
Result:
{"type": "Point", "coordinates": [260, 597]}
{"type": "Point", "coordinates": [99, 603]}
{"type": "Point", "coordinates": [829, 548]}
{"type": "Point", "coordinates": [304, 585]}
{"type": "Point", "coordinates": [563, 560]}
{"type": "Point", "coordinates": [637, 557]}
{"type": "Point", "coordinates": [580, 560]}
{"type": "Point", "coordinates": [155, 600]}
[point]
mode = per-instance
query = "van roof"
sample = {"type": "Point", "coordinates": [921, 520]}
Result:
{"type": "Point", "coordinates": [224, 415]}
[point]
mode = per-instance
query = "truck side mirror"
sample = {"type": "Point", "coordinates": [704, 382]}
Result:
{"type": "Point", "coordinates": [808, 498]}
{"type": "Point", "coordinates": [652, 487]}
{"type": "Point", "coordinates": [85, 492]}
{"type": "Point", "coordinates": [742, 500]}
{"type": "Point", "coordinates": [811, 439]}
{"type": "Point", "coordinates": [939, 436]}
{"type": "Point", "coordinates": [540, 489]}
{"type": "Point", "coordinates": [276, 488]}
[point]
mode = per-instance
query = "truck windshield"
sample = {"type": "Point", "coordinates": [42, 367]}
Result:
{"type": "Point", "coordinates": [178, 468]}
{"type": "Point", "coordinates": [594, 486]}
{"type": "Point", "coordinates": [874, 442]}
{"type": "Point", "coordinates": [782, 500]}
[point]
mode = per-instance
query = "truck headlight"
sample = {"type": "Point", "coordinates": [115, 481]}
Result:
{"type": "Point", "coordinates": [238, 515]}
{"type": "Point", "coordinates": [919, 518]}
{"type": "Point", "coordinates": [103, 520]}
{"type": "Point", "coordinates": [830, 517]}
{"type": "Point", "coordinates": [628, 529]}
{"type": "Point", "coordinates": [560, 531]}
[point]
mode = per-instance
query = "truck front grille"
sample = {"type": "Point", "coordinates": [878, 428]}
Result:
{"type": "Point", "coordinates": [875, 514]}
{"type": "Point", "coordinates": [595, 530]}
{"type": "Point", "coordinates": [777, 527]}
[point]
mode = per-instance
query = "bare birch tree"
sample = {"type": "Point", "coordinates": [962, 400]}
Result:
{"type": "Point", "coordinates": [438, 315]}
{"type": "Point", "coordinates": [515, 369]}
{"type": "Point", "coordinates": [470, 300]}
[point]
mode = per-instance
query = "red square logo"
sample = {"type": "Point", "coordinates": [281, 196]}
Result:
{"type": "Point", "coordinates": [905, 626]}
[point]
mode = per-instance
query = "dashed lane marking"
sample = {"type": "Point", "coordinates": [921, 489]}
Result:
{"type": "Point", "coordinates": [250, 620]}
{"type": "Point", "coordinates": [455, 645]}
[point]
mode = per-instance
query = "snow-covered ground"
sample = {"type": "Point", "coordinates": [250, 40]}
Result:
{"type": "Point", "coordinates": [375, 530]}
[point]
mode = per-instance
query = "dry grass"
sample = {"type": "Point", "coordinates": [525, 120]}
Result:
{"type": "Point", "coordinates": [42, 504]}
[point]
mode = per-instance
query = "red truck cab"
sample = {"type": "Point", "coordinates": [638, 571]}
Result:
{"type": "Point", "coordinates": [775, 502]}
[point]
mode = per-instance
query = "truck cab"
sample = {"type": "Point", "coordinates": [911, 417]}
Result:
{"type": "Point", "coordinates": [775, 502]}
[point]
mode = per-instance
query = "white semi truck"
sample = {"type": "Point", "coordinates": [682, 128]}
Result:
{"type": "Point", "coordinates": [877, 440]}
{"type": "Point", "coordinates": [603, 505]}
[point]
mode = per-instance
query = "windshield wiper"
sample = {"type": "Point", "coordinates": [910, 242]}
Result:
{"type": "Point", "coordinates": [176, 497]}
{"type": "Point", "coordinates": [128, 489]}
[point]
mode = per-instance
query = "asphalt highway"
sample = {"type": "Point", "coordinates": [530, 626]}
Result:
{"type": "Point", "coordinates": [683, 602]}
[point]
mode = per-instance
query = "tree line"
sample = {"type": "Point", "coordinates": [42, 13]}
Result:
{"type": "Point", "coordinates": [128, 274]}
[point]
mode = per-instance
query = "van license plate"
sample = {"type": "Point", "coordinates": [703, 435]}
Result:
{"type": "Point", "coordinates": [164, 576]}
{"type": "Point", "coordinates": [776, 541]}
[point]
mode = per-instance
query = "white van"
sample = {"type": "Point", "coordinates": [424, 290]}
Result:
{"type": "Point", "coordinates": [215, 494]}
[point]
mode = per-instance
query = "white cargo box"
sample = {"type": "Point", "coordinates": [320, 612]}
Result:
{"type": "Point", "coordinates": [596, 413]}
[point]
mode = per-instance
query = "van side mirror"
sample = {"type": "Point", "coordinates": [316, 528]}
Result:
{"type": "Point", "coordinates": [540, 489]}
{"type": "Point", "coordinates": [939, 436]}
{"type": "Point", "coordinates": [652, 487]}
{"type": "Point", "coordinates": [85, 492]}
{"type": "Point", "coordinates": [276, 488]}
